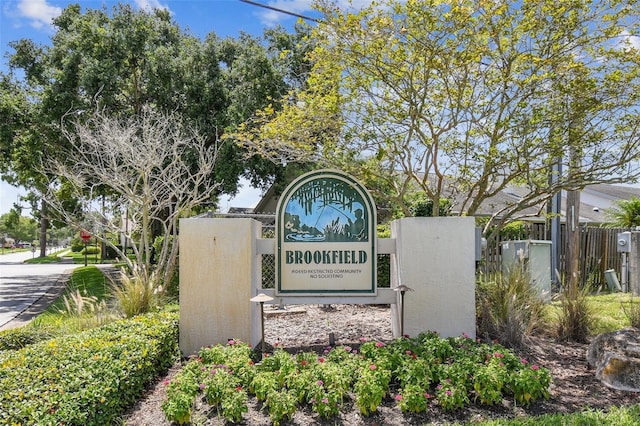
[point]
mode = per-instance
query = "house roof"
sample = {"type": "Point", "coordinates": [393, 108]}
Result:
{"type": "Point", "coordinates": [594, 201]}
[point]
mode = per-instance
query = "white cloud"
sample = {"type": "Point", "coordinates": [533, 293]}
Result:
{"type": "Point", "coordinates": [272, 17]}
{"type": "Point", "coordinates": [150, 5]}
{"type": "Point", "coordinates": [39, 12]}
{"type": "Point", "coordinates": [630, 41]}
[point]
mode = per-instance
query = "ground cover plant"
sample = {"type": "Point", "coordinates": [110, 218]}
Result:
{"type": "Point", "coordinates": [417, 372]}
{"type": "Point", "coordinates": [87, 378]}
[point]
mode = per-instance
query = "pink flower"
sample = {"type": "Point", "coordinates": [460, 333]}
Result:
{"type": "Point", "coordinates": [347, 348]}
{"type": "Point", "coordinates": [427, 395]}
{"type": "Point", "coordinates": [320, 383]}
{"type": "Point", "coordinates": [379, 344]}
{"type": "Point", "coordinates": [201, 386]}
{"type": "Point", "coordinates": [363, 339]}
{"type": "Point", "coordinates": [166, 382]}
{"type": "Point", "coordinates": [325, 401]}
{"type": "Point", "coordinates": [398, 397]}
{"type": "Point", "coordinates": [231, 342]}
{"type": "Point", "coordinates": [408, 352]}
{"type": "Point", "coordinates": [372, 367]}
{"type": "Point", "coordinates": [524, 361]}
{"type": "Point", "coordinates": [448, 392]}
{"type": "Point", "coordinates": [535, 367]}
{"type": "Point", "coordinates": [498, 355]}
{"type": "Point", "coordinates": [465, 335]}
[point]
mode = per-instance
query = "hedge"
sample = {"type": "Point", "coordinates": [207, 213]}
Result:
{"type": "Point", "coordinates": [17, 338]}
{"type": "Point", "coordinates": [89, 378]}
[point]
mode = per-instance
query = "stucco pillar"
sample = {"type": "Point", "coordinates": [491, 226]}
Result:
{"type": "Point", "coordinates": [436, 258]}
{"type": "Point", "coordinates": [219, 267]}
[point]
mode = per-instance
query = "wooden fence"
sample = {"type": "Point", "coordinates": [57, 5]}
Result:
{"type": "Point", "coordinates": [598, 251]}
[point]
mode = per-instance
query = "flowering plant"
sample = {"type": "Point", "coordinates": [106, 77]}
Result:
{"type": "Point", "coordinates": [426, 370]}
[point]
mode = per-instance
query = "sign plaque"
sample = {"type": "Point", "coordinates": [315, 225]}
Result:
{"type": "Point", "coordinates": [326, 234]}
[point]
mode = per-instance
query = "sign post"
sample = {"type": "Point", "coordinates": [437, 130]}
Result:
{"type": "Point", "coordinates": [86, 236]}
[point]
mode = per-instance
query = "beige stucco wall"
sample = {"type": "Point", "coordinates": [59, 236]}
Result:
{"type": "Point", "coordinates": [436, 258]}
{"type": "Point", "coordinates": [218, 269]}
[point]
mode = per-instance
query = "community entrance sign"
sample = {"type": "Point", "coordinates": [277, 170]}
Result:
{"type": "Point", "coordinates": [325, 250]}
{"type": "Point", "coordinates": [325, 231]}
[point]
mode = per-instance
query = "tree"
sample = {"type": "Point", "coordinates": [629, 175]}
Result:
{"type": "Point", "coordinates": [259, 74]}
{"type": "Point", "coordinates": [463, 99]}
{"type": "Point", "coordinates": [20, 228]}
{"type": "Point", "coordinates": [157, 170]}
{"type": "Point", "coordinates": [121, 59]}
{"type": "Point", "coordinates": [625, 214]}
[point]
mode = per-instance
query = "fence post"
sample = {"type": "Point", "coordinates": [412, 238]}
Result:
{"type": "Point", "coordinates": [634, 264]}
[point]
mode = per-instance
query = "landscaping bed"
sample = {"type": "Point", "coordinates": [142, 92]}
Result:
{"type": "Point", "coordinates": [573, 388]}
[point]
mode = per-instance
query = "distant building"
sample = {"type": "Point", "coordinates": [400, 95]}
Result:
{"type": "Point", "coordinates": [595, 200]}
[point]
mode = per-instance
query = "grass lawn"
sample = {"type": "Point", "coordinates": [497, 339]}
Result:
{"type": "Point", "coordinates": [78, 307]}
{"type": "Point", "coordinates": [609, 311]}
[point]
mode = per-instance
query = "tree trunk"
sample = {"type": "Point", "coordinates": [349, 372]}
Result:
{"type": "Point", "coordinates": [43, 229]}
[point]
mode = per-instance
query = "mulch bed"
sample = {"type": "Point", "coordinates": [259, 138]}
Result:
{"type": "Point", "coordinates": [574, 386]}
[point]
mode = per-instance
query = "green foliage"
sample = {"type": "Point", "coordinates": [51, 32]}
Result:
{"type": "Point", "coordinates": [420, 206]}
{"type": "Point", "coordinates": [20, 337]}
{"type": "Point", "coordinates": [136, 293]}
{"type": "Point", "coordinates": [575, 320]}
{"type": "Point", "coordinates": [77, 245]}
{"type": "Point", "coordinates": [615, 416]}
{"type": "Point", "coordinates": [625, 214]}
{"type": "Point", "coordinates": [509, 307]}
{"type": "Point", "coordinates": [20, 228]}
{"type": "Point", "coordinates": [82, 305]}
{"type": "Point", "coordinates": [632, 311]}
{"type": "Point", "coordinates": [89, 281]}
{"type": "Point", "coordinates": [516, 230]}
{"type": "Point", "coordinates": [90, 250]}
{"type": "Point", "coordinates": [425, 371]}
{"type": "Point", "coordinates": [89, 377]}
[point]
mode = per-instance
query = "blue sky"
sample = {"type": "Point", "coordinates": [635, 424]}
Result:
{"type": "Point", "coordinates": [32, 19]}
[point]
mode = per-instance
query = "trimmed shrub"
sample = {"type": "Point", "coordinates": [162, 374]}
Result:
{"type": "Point", "coordinates": [89, 378]}
{"type": "Point", "coordinates": [77, 245]}
{"type": "Point", "coordinates": [90, 250]}
{"type": "Point", "coordinates": [18, 338]}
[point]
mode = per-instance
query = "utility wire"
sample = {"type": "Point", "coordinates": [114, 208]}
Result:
{"type": "Point", "coordinates": [266, 6]}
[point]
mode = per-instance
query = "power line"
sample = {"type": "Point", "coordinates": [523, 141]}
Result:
{"type": "Point", "coordinates": [266, 6]}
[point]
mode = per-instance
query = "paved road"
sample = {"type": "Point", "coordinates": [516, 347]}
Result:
{"type": "Point", "coordinates": [22, 284]}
